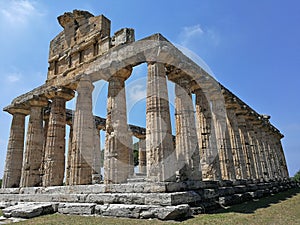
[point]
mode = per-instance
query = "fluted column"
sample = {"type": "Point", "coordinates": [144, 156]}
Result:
{"type": "Point", "coordinates": [246, 146]}
{"type": "Point", "coordinates": [223, 141]}
{"type": "Point", "coordinates": [142, 157]}
{"type": "Point", "coordinates": [283, 164]}
{"type": "Point", "coordinates": [236, 143]}
{"type": "Point", "coordinates": [118, 141]}
{"type": "Point", "coordinates": [159, 140]}
{"type": "Point", "coordinates": [274, 156]}
{"type": "Point", "coordinates": [83, 135]}
{"type": "Point", "coordinates": [54, 165]}
{"type": "Point", "coordinates": [269, 163]}
{"type": "Point", "coordinates": [262, 154]}
{"type": "Point", "coordinates": [15, 149]}
{"type": "Point", "coordinates": [32, 161]}
{"type": "Point", "coordinates": [255, 151]}
{"type": "Point", "coordinates": [187, 149]}
{"type": "Point", "coordinates": [209, 156]}
{"type": "Point", "coordinates": [96, 175]}
{"type": "Point", "coordinates": [69, 156]}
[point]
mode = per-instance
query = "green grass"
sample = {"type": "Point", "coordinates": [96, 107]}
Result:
{"type": "Point", "coordinates": [282, 208]}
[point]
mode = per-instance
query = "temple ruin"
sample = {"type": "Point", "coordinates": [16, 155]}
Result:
{"type": "Point", "coordinates": [223, 152]}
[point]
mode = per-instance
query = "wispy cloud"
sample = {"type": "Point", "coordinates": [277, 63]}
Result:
{"type": "Point", "coordinates": [18, 13]}
{"type": "Point", "coordinates": [137, 93]}
{"type": "Point", "coordinates": [13, 77]}
{"type": "Point", "coordinates": [190, 35]}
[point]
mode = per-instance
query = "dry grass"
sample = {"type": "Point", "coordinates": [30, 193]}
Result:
{"type": "Point", "coordinates": [283, 208]}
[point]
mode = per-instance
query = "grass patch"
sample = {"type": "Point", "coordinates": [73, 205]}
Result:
{"type": "Point", "coordinates": [1, 214]}
{"type": "Point", "coordinates": [282, 208]}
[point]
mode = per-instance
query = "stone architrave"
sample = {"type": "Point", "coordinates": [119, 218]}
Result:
{"type": "Point", "coordinates": [118, 144]}
{"type": "Point", "coordinates": [187, 148]}
{"type": "Point", "coordinates": [15, 149]}
{"type": "Point", "coordinates": [142, 157]}
{"type": "Point", "coordinates": [209, 155]}
{"type": "Point", "coordinates": [32, 160]}
{"type": "Point", "coordinates": [54, 163]}
{"type": "Point", "coordinates": [159, 140]}
{"type": "Point", "coordinates": [83, 135]}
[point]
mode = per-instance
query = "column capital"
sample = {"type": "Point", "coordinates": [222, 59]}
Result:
{"type": "Point", "coordinates": [60, 92]}
{"type": "Point", "coordinates": [17, 109]}
{"type": "Point", "coordinates": [38, 101]}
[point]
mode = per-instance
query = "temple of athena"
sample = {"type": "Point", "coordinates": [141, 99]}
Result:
{"type": "Point", "coordinates": [223, 152]}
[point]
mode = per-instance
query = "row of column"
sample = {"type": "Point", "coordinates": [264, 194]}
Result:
{"type": "Point", "coordinates": [242, 149]}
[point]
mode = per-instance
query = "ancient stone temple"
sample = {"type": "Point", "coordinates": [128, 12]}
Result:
{"type": "Point", "coordinates": [223, 151]}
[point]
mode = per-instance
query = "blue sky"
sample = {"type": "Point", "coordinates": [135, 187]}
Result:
{"type": "Point", "coordinates": [252, 48]}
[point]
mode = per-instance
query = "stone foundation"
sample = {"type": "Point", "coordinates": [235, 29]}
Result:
{"type": "Point", "coordinates": [164, 200]}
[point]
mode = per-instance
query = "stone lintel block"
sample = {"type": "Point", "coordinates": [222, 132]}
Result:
{"type": "Point", "coordinates": [76, 208]}
{"type": "Point", "coordinates": [239, 182]}
{"type": "Point", "coordinates": [252, 187]}
{"type": "Point", "coordinates": [30, 210]}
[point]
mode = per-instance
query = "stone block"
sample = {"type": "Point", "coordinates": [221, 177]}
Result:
{"type": "Point", "coordinates": [226, 191]}
{"type": "Point", "coordinates": [30, 210]}
{"type": "Point", "coordinates": [240, 189]}
{"type": "Point", "coordinates": [76, 208]}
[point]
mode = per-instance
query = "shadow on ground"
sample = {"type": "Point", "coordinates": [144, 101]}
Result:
{"type": "Point", "coordinates": [251, 206]}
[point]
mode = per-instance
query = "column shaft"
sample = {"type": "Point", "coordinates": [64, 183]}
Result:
{"type": "Point", "coordinates": [14, 155]}
{"type": "Point", "coordinates": [96, 176]}
{"type": "Point", "coordinates": [32, 161]}
{"type": "Point", "coordinates": [187, 149]}
{"type": "Point", "coordinates": [159, 140]}
{"type": "Point", "coordinates": [142, 156]}
{"type": "Point", "coordinates": [209, 155]}
{"type": "Point", "coordinates": [83, 135]}
{"type": "Point", "coordinates": [118, 143]}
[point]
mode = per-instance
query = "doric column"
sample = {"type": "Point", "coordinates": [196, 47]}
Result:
{"type": "Point", "coordinates": [14, 155]}
{"type": "Point", "coordinates": [284, 169]}
{"type": "Point", "coordinates": [83, 135]}
{"type": "Point", "coordinates": [223, 140]}
{"type": "Point", "coordinates": [209, 155]}
{"type": "Point", "coordinates": [32, 161]}
{"type": "Point", "coordinates": [96, 174]}
{"type": "Point", "coordinates": [69, 156]}
{"type": "Point", "coordinates": [236, 143]}
{"type": "Point", "coordinates": [159, 140]}
{"type": "Point", "coordinates": [262, 155]}
{"type": "Point", "coordinates": [118, 141]}
{"type": "Point", "coordinates": [255, 150]}
{"type": "Point", "coordinates": [187, 149]}
{"type": "Point", "coordinates": [274, 155]}
{"type": "Point", "coordinates": [142, 156]}
{"type": "Point", "coordinates": [269, 163]}
{"type": "Point", "coordinates": [246, 146]}
{"type": "Point", "coordinates": [54, 163]}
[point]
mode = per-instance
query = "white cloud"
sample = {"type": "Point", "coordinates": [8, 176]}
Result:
{"type": "Point", "coordinates": [13, 77]}
{"type": "Point", "coordinates": [196, 35]}
{"type": "Point", "coordinates": [137, 93]}
{"type": "Point", "coordinates": [18, 12]}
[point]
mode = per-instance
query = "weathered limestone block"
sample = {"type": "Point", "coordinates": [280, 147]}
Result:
{"type": "Point", "coordinates": [31, 170]}
{"type": "Point", "coordinates": [14, 155]}
{"type": "Point", "coordinates": [159, 141]}
{"type": "Point", "coordinates": [76, 208]}
{"type": "Point", "coordinates": [54, 161]}
{"type": "Point", "coordinates": [30, 210]}
{"type": "Point", "coordinates": [83, 135]}
{"type": "Point", "coordinates": [145, 211]}
{"type": "Point", "coordinates": [187, 148]}
{"type": "Point", "coordinates": [118, 154]}
{"type": "Point", "coordinates": [209, 155]}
